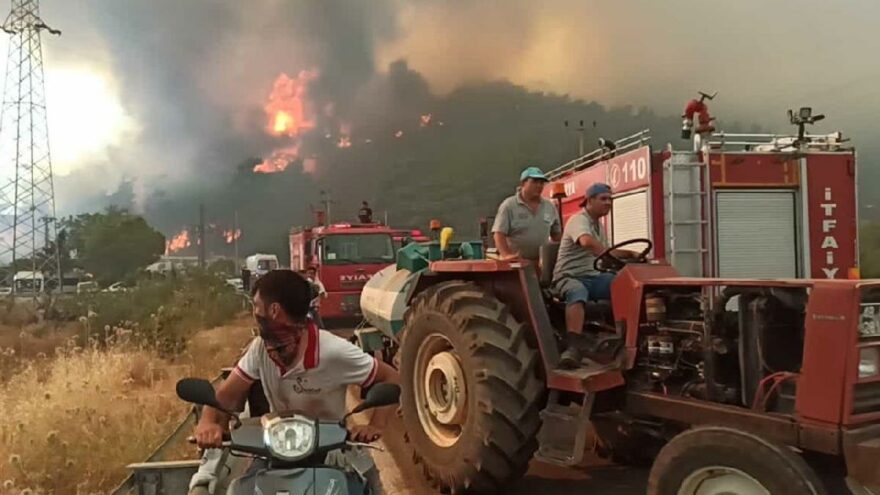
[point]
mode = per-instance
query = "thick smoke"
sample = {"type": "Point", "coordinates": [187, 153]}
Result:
{"type": "Point", "coordinates": [196, 74]}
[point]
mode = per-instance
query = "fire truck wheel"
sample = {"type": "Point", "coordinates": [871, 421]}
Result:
{"type": "Point", "coordinates": [716, 460]}
{"type": "Point", "coordinates": [471, 395]}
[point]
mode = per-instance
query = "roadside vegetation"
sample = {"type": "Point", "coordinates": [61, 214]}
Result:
{"type": "Point", "coordinates": [88, 387]}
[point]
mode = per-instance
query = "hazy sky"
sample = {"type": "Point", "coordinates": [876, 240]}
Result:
{"type": "Point", "coordinates": [157, 89]}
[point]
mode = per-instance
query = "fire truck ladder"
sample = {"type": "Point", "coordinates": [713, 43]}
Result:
{"type": "Point", "coordinates": [686, 195]}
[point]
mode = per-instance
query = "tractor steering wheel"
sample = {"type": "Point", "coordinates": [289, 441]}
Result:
{"type": "Point", "coordinates": [606, 262]}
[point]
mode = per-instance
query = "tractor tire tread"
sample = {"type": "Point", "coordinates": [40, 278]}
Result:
{"type": "Point", "coordinates": [511, 392]}
{"type": "Point", "coordinates": [769, 462]}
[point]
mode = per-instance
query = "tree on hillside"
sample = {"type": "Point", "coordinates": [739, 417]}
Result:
{"type": "Point", "coordinates": [112, 244]}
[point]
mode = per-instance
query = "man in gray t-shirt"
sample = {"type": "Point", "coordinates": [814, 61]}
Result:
{"type": "Point", "coordinates": [526, 221]}
{"type": "Point", "coordinates": [574, 277]}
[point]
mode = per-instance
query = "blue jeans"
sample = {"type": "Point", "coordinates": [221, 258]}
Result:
{"type": "Point", "coordinates": [582, 289]}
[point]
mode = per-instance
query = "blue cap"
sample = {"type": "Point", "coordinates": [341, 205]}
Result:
{"type": "Point", "coordinates": [596, 189]}
{"type": "Point", "coordinates": [532, 173]}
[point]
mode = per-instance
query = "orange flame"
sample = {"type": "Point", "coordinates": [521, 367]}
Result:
{"type": "Point", "coordinates": [288, 115]}
{"type": "Point", "coordinates": [231, 235]}
{"type": "Point", "coordinates": [344, 135]}
{"type": "Point", "coordinates": [424, 120]}
{"type": "Point", "coordinates": [286, 109]}
{"type": "Point", "coordinates": [178, 242]}
{"type": "Point", "coordinates": [279, 160]}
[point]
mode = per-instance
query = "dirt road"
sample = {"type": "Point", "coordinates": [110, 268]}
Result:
{"type": "Point", "coordinates": [401, 476]}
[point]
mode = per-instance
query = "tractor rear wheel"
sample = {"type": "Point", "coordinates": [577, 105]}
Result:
{"type": "Point", "coordinates": [471, 395]}
{"type": "Point", "coordinates": [718, 460]}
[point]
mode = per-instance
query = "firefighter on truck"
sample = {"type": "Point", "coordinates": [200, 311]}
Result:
{"type": "Point", "coordinates": [526, 221]}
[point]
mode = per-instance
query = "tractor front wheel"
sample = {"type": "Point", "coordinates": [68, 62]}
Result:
{"type": "Point", "coordinates": [717, 460]}
{"type": "Point", "coordinates": [471, 395]}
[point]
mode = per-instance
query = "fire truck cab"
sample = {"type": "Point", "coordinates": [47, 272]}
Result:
{"type": "Point", "coordinates": [736, 206]}
{"type": "Point", "coordinates": [345, 256]}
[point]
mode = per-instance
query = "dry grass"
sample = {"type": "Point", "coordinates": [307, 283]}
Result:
{"type": "Point", "coordinates": [18, 346]}
{"type": "Point", "coordinates": [70, 423]}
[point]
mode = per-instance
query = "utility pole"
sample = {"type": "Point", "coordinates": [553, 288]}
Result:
{"type": "Point", "coordinates": [326, 200]}
{"type": "Point", "coordinates": [27, 191]}
{"type": "Point", "coordinates": [581, 130]}
{"type": "Point", "coordinates": [201, 236]}
{"type": "Point", "coordinates": [235, 236]}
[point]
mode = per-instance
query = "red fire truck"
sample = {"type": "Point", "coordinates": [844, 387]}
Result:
{"type": "Point", "coordinates": [345, 256]}
{"type": "Point", "coordinates": [736, 205]}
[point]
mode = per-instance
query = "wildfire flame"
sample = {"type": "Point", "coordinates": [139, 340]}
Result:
{"type": "Point", "coordinates": [425, 120]}
{"type": "Point", "coordinates": [286, 108]}
{"type": "Point", "coordinates": [398, 134]}
{"type": "Point", "coordinates": [231, 235]}
{"type": "Point", "coordinates": [288, 115]}
{"type": "Point", "coordinates": [279, 160]}
{"type": "Point", "coordinates": [344, 136]}
{"type": "Point", "coordinates": [178, 242]}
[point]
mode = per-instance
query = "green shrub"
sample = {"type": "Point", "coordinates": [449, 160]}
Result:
{"type": "Point", "coordinates": [160, 314]}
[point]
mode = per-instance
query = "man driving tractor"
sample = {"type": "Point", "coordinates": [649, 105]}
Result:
{"type": "Point", "coordinates": [575, 279]}
{"type": "Point", "coordinates": [526, 221]}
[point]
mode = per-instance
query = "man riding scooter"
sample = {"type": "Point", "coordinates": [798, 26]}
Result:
{"type": "Point", "coordinates": [300, 367]}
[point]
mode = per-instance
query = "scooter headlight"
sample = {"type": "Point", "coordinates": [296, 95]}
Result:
{"type": "Point", "coordinates": [290, 438]}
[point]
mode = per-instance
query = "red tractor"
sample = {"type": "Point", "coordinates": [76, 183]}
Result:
{"type": "Point", "coordinates": [722, 384]}
{"type": "Point", "coordinates": [742, 386]}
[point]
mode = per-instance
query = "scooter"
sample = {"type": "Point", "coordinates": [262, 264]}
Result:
{"type": "Point", "coordinates": [290, 449]}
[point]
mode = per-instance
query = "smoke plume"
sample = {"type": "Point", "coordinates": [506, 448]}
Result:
{"type": "Point", "coordinates": [496, 77]}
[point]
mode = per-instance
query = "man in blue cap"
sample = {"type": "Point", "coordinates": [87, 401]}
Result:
{"type": "Point", "coordinates": [574, 277]}
{"type": "Point", "coordinates": [526, 221]}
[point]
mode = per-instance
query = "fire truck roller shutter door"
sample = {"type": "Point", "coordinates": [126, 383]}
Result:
{"type": "Point", "coordinates": [630, 217]}
{"type": "Point", "coordinates": [756, 234]}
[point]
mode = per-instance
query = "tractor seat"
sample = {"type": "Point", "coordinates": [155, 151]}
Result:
{"type": "Point", "coordinates": [548, 254]}
{"type": "Point", "coordinates": [593, 309]}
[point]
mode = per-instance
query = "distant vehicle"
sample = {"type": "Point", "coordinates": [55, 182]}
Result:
{"type": "Point", "coordinates": [5, 291]}
{"type": "Point", "coordinates": [167, 264]}
{"type": "Point", "coordinates": [116, 287]}
{"type": "Point", "coordinates": [261, 264]}
{"type": "Point", "coordinates": [28, 282]}
{"type": "Point", "coordinates": [86, 287]}
{"type": "Point", "coordinates": [235, 283]}
{"type": "Point", "coordinates": [255, 266]}
{"type": "Point", "coordinates": [345, 256]}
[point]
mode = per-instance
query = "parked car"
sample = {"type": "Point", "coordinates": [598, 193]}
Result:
{"type": "Point", "coordinates": [235, 283]}
{"type": "Point", "coordinates": [116, 287]}
{"type": "Point", "coordinates": [86, 287]}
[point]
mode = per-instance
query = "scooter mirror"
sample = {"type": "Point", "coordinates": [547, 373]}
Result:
{"type": "Point", "coordinates": [379, 395]}
{"type": "Point", "coordinates": [197, 391]}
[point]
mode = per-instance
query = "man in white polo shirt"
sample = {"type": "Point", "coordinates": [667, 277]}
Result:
{"type": "Point", "coordinates": [299, 366]}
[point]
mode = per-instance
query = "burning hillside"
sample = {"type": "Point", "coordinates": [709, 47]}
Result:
{"type": "Point", "coordinates": [288, 116]}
